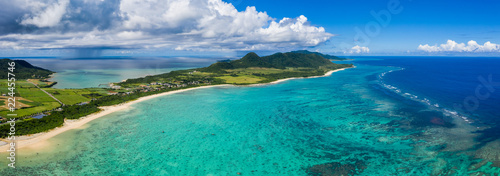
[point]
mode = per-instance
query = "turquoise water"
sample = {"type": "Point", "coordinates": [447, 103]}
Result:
{"type": "Point", "coordinates": [85, 78]}
{"type": "Point", "coordinates": [343, 124]}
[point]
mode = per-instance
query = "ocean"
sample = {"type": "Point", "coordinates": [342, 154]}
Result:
{"type": "Point", "coordinates": [387, 116]}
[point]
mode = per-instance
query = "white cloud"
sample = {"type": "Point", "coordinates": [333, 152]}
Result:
{"type": "Point", "coordinates": [294, 30]}
{"type": "Point", "coordinates": [358, 49]}
{"type": "Point", "coordinates": [452, 46]}
{"type": "Point", "coordinates": [49, 16]}
{"type": "Point", "coordinates": [173, 24]}
{"type": "Point", "coordinates": [130, 35]}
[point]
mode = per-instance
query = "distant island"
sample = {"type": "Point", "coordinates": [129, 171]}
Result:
{"type": "Point", "coordinates": [42, 108]}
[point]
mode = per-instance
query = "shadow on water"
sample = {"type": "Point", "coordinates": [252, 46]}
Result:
{"type": "Point", "coordinates": [486, 136]}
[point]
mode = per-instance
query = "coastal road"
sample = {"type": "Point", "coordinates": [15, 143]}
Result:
{"type": "Point", "coordinates": [46, 93]}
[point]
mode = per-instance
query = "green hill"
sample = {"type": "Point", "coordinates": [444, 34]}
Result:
{"type": "Point", "coordinates": [277, 60]}
{"type": "Point", "coordinates": [326, 56]}
{"type": "Point", "coordinates": [24, 70]}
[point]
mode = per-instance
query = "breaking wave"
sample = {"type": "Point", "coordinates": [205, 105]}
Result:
{"type": "Point", "coordinates": [424, 100]}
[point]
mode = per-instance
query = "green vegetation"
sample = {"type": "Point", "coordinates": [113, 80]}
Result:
{"type": "Point", "coordinates": [326, 56]}
{"type": "Point", "coordinates": [32, 126]}
{"type": "Point", "coordinates": [24, 70]}
{"type": "Point", "coordinates": [30, 103]}
{"type": "Point", "coordinates": [173, 78]}
{"type": "Point", "coordinates": [70, 96]}
{"type": "Point", "coordinates": [33, 100]}
{"type": "Point", "coordinates": [30, 100]}
{"type": "Point", "coordinates": [241, 79]}
{"type": "Point", "coordinates": [254, 69]}
{"type": "Point", "coordinates": [250, 69]}
{"type": "Point", "coordinates": [278, 60]}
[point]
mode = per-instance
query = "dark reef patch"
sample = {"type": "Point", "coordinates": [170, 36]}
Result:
{"type": "Point", "coordinates": [431, 118]}
{"type": "Point", "coordinates": [350, 167]}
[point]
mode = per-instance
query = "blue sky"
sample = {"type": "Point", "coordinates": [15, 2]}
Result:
{"type": "Point", "coordinates": [72, 28]}
{"type": "Point", "coordinates": [420, 21]}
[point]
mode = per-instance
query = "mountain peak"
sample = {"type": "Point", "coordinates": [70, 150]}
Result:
{"type": "Point", "coordinates": [251, 55]}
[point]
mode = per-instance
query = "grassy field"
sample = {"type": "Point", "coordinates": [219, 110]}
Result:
{"type": "Point", "coordinates": [29, 103]}
{"type": "Point", "coordinates": [241, 79]}
{"type": "Point", "coordinates": [34, 110]}
{"type": "Point", "coordinates": [258, 75]}
{"type": "Point", "coordinates": [4, 89]}
{"type": "Point", "coordinates": [69, 96]}
{"type": "Point", "coordinates": [35, 94]}
{"type": "Point", "coordinates": [31, 100]}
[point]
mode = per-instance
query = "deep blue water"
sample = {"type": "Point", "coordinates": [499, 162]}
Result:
{"type": "Point", "coordinates": [449, 81]}
{"type": "Point", "coordinates": [469, 86]}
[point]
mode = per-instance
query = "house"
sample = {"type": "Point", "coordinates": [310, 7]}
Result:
{"type": "Point", "coordinates": [116, 87]}
{"type": "Point", "coordinates": [113, 86]}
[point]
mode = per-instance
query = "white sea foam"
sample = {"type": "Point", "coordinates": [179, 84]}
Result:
{"type": "Point", "coordinates": [426, 101]}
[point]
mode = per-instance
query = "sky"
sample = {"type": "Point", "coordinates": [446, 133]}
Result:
{"type": "Point", "coordinates": [93, 28]}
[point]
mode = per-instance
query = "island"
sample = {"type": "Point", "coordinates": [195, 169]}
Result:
{"type": "Point", "coordinates": [41, 108]}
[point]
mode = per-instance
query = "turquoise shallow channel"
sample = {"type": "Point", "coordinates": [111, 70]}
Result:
{"type": "Point", "coordinates": [85, 78]}
{"type": "Point", "coordinates": [344, 124]}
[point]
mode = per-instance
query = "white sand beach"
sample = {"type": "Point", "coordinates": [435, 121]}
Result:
{"type": "Point", "coordinates": [283, 80]}
{"type": "Point", "coordinates": [36, 140]}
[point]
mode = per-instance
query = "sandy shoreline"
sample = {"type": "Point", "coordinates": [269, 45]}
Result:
{"type": "Point", "coordinates": [286, 79]}
{"type": "Point", "coordinates": [35, 139]}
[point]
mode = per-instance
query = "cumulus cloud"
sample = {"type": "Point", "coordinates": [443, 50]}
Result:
{"type": "Point", "coordinates": [452, 46]}
{"type": "Point", "coordinates": [173, 24]}
{"type": "Point", "coordinates": [49, 16]}
{"type": "Point", "coordinates": [358, 49]}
